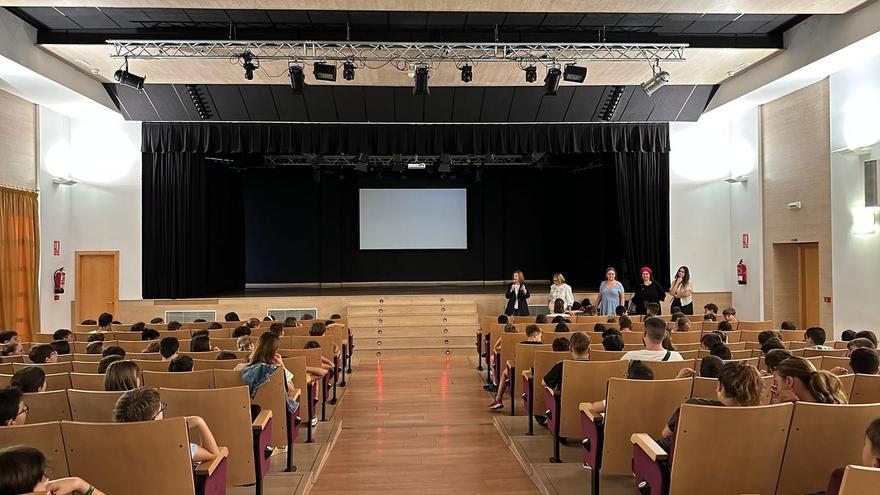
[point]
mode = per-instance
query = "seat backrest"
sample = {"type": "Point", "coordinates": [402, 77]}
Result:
{"type": "Point", "coordinates": [212, 364]}
{"type": "Point", "coordinates": [48, 367]}
{"type": "Point", "coordinates": [755, 325]}
{"type": "Point", "coordinates": [227, 411]}
{"type": "Point", "coordinates": [596, 355]}
{"type": "Point", "coordinates": [637, 406]}
{"type": "Point", "coordinates": [138, 345]}
{"type": "Point", "coordinates": [89, 358]}
{"type": "Point", "coordinates": [272, 396]}
{"type": "Point", "coordinates": [227, 378]}
{"type": "Point", "coordinates": [823, 437]}
{"type": "Point", "coordinates": [704, 388]}
{"type": "Point", "coordinates": [508, 347]}
{"type": "Point", "coordinates": [87, 381]}
{"type": "Point", "coordinates": [92, 406]}
{"type": "Point", "coordinates": [47, 406]}
{"type": "Point", "coordinates": [828, 363]}
{"type": "Point", "coordinates": [544, 360]}
{"type": "Point", "coordinates": [667, 370]}
{"type": "Point", "coordinates": [691, 337]}
{"type": "Point", "coordinates": [161, 445]}
{"type": "Point", "coordinates": [149, 365]}
{"type": "Point", "coordinates": [584, 381]}
{"type": "Point", "coordinates": [297, 366]}
{"type": "Point", "coordinates": [752, 439]}
{"type": "Point", "coordinates": [631, 338]}
{"type": "Point", "coordinates": [847, 382]}
{"type": "Point", "coordinates": [183, 380]}
{"type": "Point", "coordinates": [225, 344]}
{"type": "Point", "coordinates": [6, 369]}
{"type": "Point", "coordinates": [85, 366]}
{"type": "Point", "coordinates": [46, 437]}
{"type": "Point", "coordinates": [296, 342]}
{"type": "Point", "coordinates": [737, 346]}
{"type": "Point", "coordinates": [143, 356]}
{"type": "Point", "coordinates": [865, 389]}
{"type": "Point", "coordinates": [818, 352]}
{"type": "Point", "coordinates": [313, 356]}
{"type": "Point", "coordinates": [57, 381]}
{"type": "Point", "coordinates": [525, 357]}
{"type": "Point", "coordinates": [858, 480]}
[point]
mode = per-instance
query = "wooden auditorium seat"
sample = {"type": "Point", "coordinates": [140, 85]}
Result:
{"type": "Point", "coordinates": [57, 381]}
{"type": "Point", "coordinates": [212, 364]}
{"type": "Point", "coordinates": [308, 386]}
{"type": "Point", "coordinates": [828, 363]}
{"type": "Point", "coordinates": [599, 355]}
{"type": "Point", "coordinates": [85, 366]}
{"type": "Point", "coordinates": [858, 480]}
{"type": "Point", "coordinates": [523, 360]}
{"type": "Point", "coordinates": [160, 447]}
{"type": "Point", "coordinates": [49, 368]}
{"type": "Point", "coordinates": [667, 370]}
{"type": "Point", "coordinates": [755, 325]}
{"type": "Point", "coordinates": [92, 406]}
{"type": "Point", "coordinates": [691, 337]}
{"type": "Point", "coordinates": [150, 365]}
{"type": "Point", "coordinates": [808, 353]}
{"type": "Point", "coordinates": [87, 381]}
{"type": "Point", "coordinates": [46, 437]}
{"type": "Point", "coordinates": [47, 406]}
{"type": "Point", "coordinates": [752, 439]}
{"type": "Point", "coordinates": [865, 389]}
{"type": "Point", "coordinates": [143, 356]}
{"type": "Point", "coordinates": [88, 358]}
{"type": "Point", "coordinates": [190, 380]}
{"type": "Point", "coordinates": [543, 361]}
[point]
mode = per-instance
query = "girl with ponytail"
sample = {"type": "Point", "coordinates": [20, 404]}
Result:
{"type": "Point", "coordinates": [796, 379]}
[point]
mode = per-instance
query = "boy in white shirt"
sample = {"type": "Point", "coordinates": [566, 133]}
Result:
{"type": "Point", "coordinates": [655, 332]}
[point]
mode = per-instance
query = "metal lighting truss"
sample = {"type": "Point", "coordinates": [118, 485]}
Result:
{"type": "Point", "coordinates": [399, 53]}
{"type": "Point", "coordinates": [389, 161]}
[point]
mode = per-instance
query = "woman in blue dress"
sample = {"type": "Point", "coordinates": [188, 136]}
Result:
{"type": "Point", "coordinates": [610, 293]}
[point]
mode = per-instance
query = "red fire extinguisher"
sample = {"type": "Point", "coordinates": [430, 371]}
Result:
{"type": "Point", "coordinates": [58, 281]}
{"type": "Point", "coordinates": [742, 273]}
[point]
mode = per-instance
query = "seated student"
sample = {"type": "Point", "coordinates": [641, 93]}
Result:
{"type": "Point", "coordinates": [317, 329]}
{"type": "Point", "coordinates": [326, 364]}
{"type": "Point", "coordinates": [199, 333]}
{"type": "Point", "coordinates": [729, 315]}
{"type": "Point", "coordinates": [814, 337]}
{"type": "Point", "coordinates": [710, 309]}
{"type": "Point", "coordinates": [667, 343]}
{"type": "Point", "coordinates": [721, 334]}
{"type": "Point", "coordinates": [682, 324]}
{"type": "Point", "coordinates": [180, 364]}
{"type": "Point", "coordinates": [796, 379]}
{"type": "Point", "coordinates": [157, 321]}
{"type": "Point", "coordinates": [200, 320]}
{"type": "Point", "coordinates": [722, 351]}
{"type": "Point", "coordinates": [113, 349]}
{"type": "Point", "coordinates": [533, 336]}
{"type": "Point", "coordinates": [768, 334]}
{"type": "Point", "coordinates": [231, 316]}
{"type": "Point", "coordinates": [138, 327]}
{"type": "Point", "coordinates": [265, 361]}
{"type": "Point", "coordinates": [202, 343]}
{"type": "Point", "coordinates": [580, 351]}
{"type": "Point", "coordinates": [106, 361]}
{"type": "Point", "coordinates": [503, 320]}
{"type": "Point", "coordinates": [508, 328]}
{"type": "Point", "coordinates": [788, 325]}
{"type": "Point", "coordinates": [739, 385]}
{"type": "Point", "coordinates": [655, 332]}
{"type": "Point", "coordinates": [153, 347]}
{"type": "Point", "coordinates": [620, 311]}
{"type": "Point", "coordinates": [13, 411]}
{"type": "Point", "coordinates": [561, 344]}
{"type": "Point", "coordinates": [277, 328]}
{"type": "Point", "coordinates": [558, 309]}
{"type": "Point", "coordinates": [96, 347]}
{"type": "Point", "coordinates": [560, 327]}
{"type": "Point", "coordinates": [652, 309]}
{"type": "Point", "coordinates": [611, 331]}
{"type": "Point", "coordinates": [541, 319]}
{"type": "Point", "coordinates": [636, 370]}
{"type": "Point", "coordinates": [863, 361]}
{"type": "Point", "coordinates": [143, 404]}
{"type": "Point", "coordinates": [710, 367]}
{"type": "Point", "coordinates": [576, 309]}
{"type": "Point", "coordinates": [725, 326]}
{"type": "Point", "coordinates": [7, 336]}
{"type": "Point", "coordinates": [121, 376]}
{"type": "Point", "coordinates": [168, 348]}
{"type": "Point", "coordinates": [241, 331]}
{"type": "Point", "coordinates": [104, 323]}
{"type": "Point", "coordinates": [867, 334]}
{"type": "Point", "coordinates": [244, 343]}
{"type": "Point", "coordinates": [214, 326]}
{"type": "Point", "coordinates": [770, 344]}
{"type": "Point", "coordinates": [871, 451]}
{"type": "Point", "coordinates": [24, 470]}
{"type": "Point", "coordinates": [150, 334]}
{"type": "Point", "coordinates": [226, 355]}
{"type": "Point", "coordinates": [847, 335]}
{"type": "Point", "coordinates": [773, 358]}
{"type": "Point", "coordinates": [29, 380]}
{"type": "Point", "coordinates": [308, 317]}
{"type": "Point", "coordinates": [599, 328]}
{"type": "Point", "coordinates": [174, 325]}
{"type": "Point", "coordinates": [96, 337]}
{"type": "Point", "coordinates": [613, 343]}
{"type": "Point", "coordinates": [89, 322]}
{"type": "Point", "coordinates": [612, 319]}
{"type": "Point", "coordinates": [62, 334]}
{"type": "Point", "coordinates": [12, 349]}
{"type": "Point", "coordinates": [710, 339]}
{"type": "Point", "coordinates": [858, 343]}
{"type": "Point", "coordinates": [335, 316]}
{"type": "Point", "coordinates": [253, 323]}
{"type": "Point", "coordinates": [268, 318]}
{"type": "Point", "coordinates": [626, 324]}
{"type": "Point", "coordinates": [62, 347]}
{"type": "Point", "coordinates": [42, 354]}
{"type": "Point", "coordinates": [290, 322]}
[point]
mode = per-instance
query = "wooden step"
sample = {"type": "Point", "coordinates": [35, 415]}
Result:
{"type": "Point", "coordinates": [412, 309]}
{"type": "Point", "coordinates": [413, 343]}
{"type": "Point", "coordinates": [416, 331]}
{"type": "Point", "coordinates": [411, 320]}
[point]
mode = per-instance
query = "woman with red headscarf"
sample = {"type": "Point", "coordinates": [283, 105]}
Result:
{"type": "Point", "coordinates": [647, 292]}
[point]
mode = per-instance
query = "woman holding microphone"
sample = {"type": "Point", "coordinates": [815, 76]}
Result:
{"type": "Point", "coordinates": [560, 290]}
{"type": "Point", "coordinates": [517, 296]}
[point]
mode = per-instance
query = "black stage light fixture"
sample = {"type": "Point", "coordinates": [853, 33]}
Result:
{"type": "Point", "coordinates": [531, 74]}
{"type": "Point", "coordinates": [551, 81]}
{"type": "Point", "coordinates": [397, 164]}
{"type": "Point", "coordinates": [611, 106]}
{"type": "Point", "coordinates": [197, 101]}
{"type": "Point", "coordinates": [363, 163]}
{"type": "Point", "coordinates": [127, 79]}
{"type": "Point", "coordinates": [421, 77]}
{"type": "Point", "coordinates": [297, 79]}
{"type": "Point", "coordinates": [444, 164]}
{"type": "Point", "coordinates": [324, 72]}
{"type": "Point", "coordinates": [247, 61]}
{"type": "Point", "coordinates": [348, 71]}
{"type": "Point", "coordinates": [575, 73]}
{"type": "Point", "coordinates": [467, 73]}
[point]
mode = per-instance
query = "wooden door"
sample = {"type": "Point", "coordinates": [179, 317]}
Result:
{"type": "Point", "coordinates": [808, 260]}
{"type": "Point", "coordinates": [97, 284]}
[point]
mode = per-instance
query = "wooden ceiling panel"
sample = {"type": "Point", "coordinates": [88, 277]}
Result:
{"type": "Point", "coordinates": [703, 66]}
{"type": "Point", "coordinates": [645, 6]}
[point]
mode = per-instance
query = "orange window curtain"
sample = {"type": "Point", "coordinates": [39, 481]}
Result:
{"type": "Point", "coordinates": [19, 262]}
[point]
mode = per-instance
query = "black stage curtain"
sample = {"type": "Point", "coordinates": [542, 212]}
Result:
{"type": "Point", "coordinates": [386, 139]}
{"type": "Point", "coordinates": [642, 181]}
{"type": "Point", "coordinates": [192, 227]}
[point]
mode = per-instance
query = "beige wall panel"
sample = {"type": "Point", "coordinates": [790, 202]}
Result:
{"type": "Point", "coordinates": [18, 141]}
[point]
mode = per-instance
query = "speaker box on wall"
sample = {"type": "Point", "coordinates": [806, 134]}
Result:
{"type": "Point", "coordinates": [871, 184]}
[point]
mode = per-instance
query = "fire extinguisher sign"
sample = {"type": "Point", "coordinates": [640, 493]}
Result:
{"type": "Point", "coordinates": [56, 248]}
{"type": "Point", "coordinates": [745, 241]}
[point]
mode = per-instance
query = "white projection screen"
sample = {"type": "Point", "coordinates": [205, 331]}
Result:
{"type": "Point", "coordinates": [413, 219]}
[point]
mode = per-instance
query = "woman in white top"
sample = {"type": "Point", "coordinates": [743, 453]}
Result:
{"type": "Point", "coordinates": [560, 290]}
{"type": "Point", "coordinates": [681, 291]}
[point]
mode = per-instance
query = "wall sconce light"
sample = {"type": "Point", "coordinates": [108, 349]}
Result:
{"type": "Point", "coordinates": [739, 179]}
{"type": "Point", "coordinates": [865, 220]}
{"type": "Point", "coordinates": [61, 181]}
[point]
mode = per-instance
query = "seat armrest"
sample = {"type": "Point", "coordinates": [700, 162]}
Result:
{"type": "Point", "coordinates": [594, 417]}
{"type": "Point", "coordinates": [527, 374]}
{"type": "Point", "coordinates": [649, 446]}
{"type": "Point", "coordinates": [509, 363]}
{"type": "Point", "coordinates": [207, 468]}
{"type": "Point", "coordinates": [262, 419]}
{"type": "Point", "coordinates": [551, 391]}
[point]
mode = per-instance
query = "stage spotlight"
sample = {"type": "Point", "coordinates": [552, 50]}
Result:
{"type": "Point", "coordinates": [324, 72]}
{"type": "Point", "coordinates": [531, 74]}
{"type": "Point", "coordinates": [657, 81]}
{"type": "Point", "coordinates": [297, 79]}
{"type": "Point", "coordinates": [363, 163]}
{"type": "Point", "coordinates": [127, 79]}
{"type": "Point", "coordinates": [575, 73]}
{"type": "Point", "coordinates": [348, 71]}
{"type": "Point", "coordinates": [467, 73]}
{"type": "Point", "coordinates": [247, 61]}
{"type": "Point", "coordinates": [551, 81]}
{"type": "Point", "coordinates": [421, 77]}
{"type": "Point", "coordinates": [444, 165]}
{"type": "Point", "coordinates": [397, 164]}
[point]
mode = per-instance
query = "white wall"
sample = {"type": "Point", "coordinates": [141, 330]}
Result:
{"type": "Point", "coordinates": [855, 110]}
{"type": "Point", "coordinates": [101, 212]}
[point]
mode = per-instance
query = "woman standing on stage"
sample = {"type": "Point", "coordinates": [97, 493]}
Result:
{"type": "Point", "coordinates": [517, 296]}
{"type": "Point", "coordinates": [611, 293]}
{"type": "Point", "coordinates": [560, 290]}
{"type": "Point", "coordinates": [681, 291]}
{"type": "Point", "coordinates": [647, 292]}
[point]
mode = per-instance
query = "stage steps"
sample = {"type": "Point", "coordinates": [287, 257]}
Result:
{"type": "Point", "coordinates": [430, 323]}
